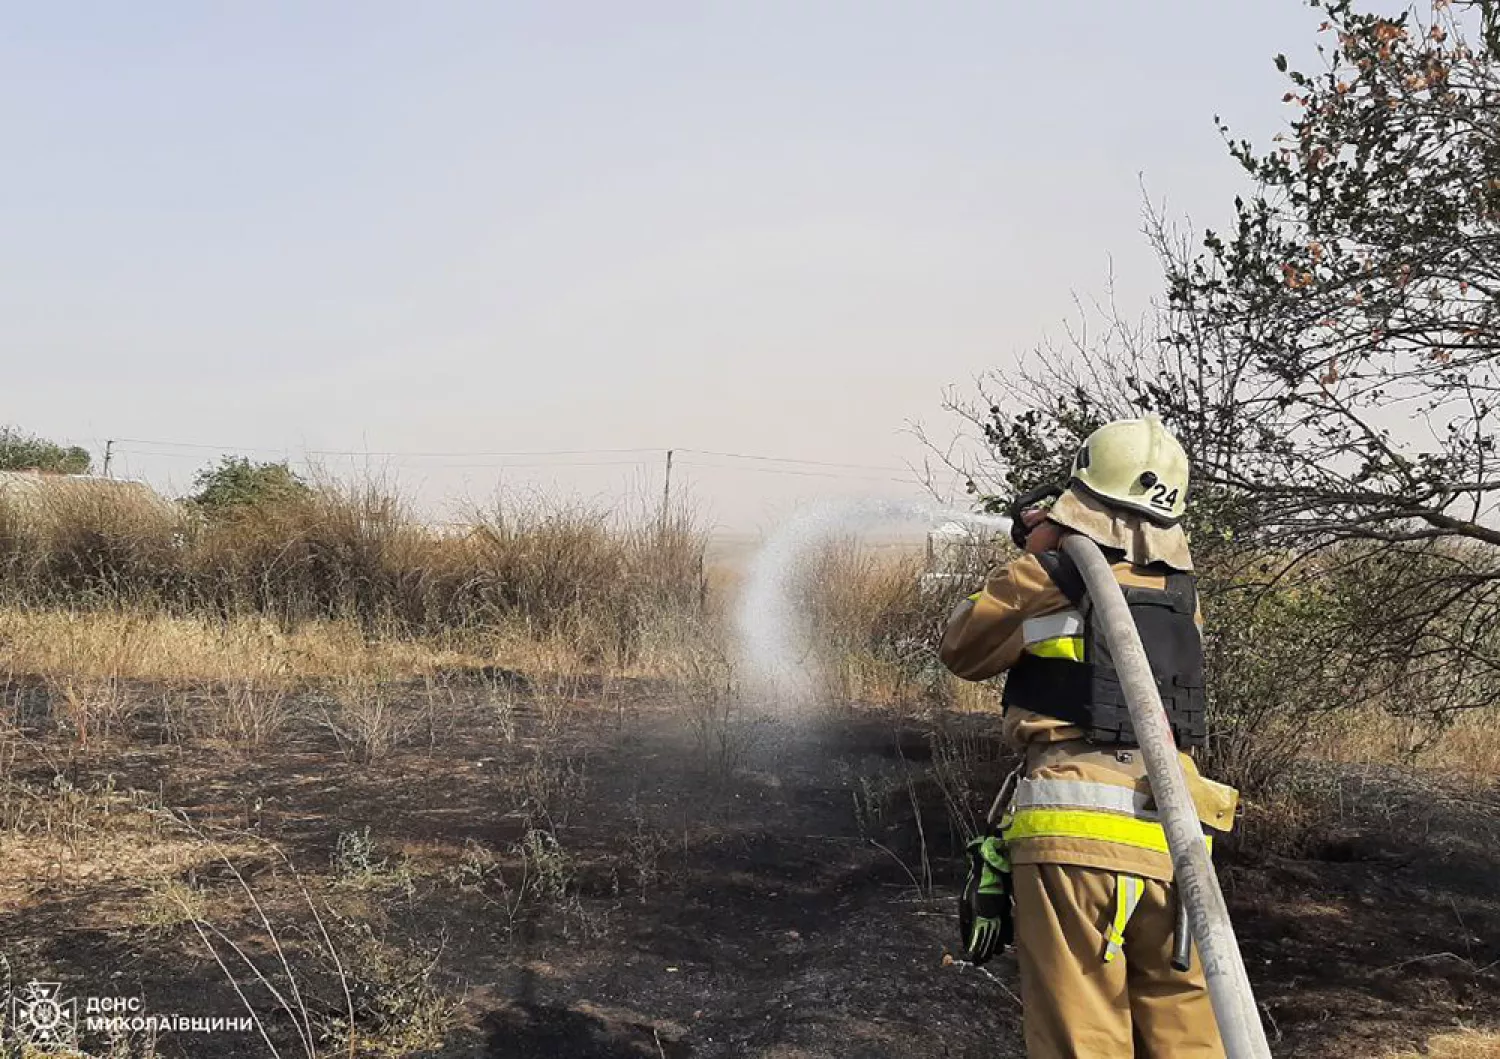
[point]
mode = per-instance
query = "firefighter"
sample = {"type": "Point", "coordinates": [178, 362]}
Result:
{"type": "Point", "coordinates": [1078, 853]}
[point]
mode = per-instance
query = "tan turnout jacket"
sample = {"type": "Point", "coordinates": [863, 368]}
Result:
{"type": "Point", "coordinates": [983, 639]}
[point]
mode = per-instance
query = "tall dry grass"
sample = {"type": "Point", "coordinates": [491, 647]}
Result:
{"type": "Point", "coordinates": [116, 605]}
{"type": "Point", "coordinates": [355, 554]}
{"type": "Point", "coordinates": [90, 546]}
{"type": "Point", "coordinates": [876, 617]}
{"type": "Point", "coordinates": [1463, 746]}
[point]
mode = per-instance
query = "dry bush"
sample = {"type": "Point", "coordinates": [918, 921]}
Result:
{"type": "Point", "coordinates": [877, 616]}
{"type": "Point", "coordinates": [356, 553]}
{"type": "Point", "coordinates": [576, 572]}
{"type": "Point", "coordinates": [93, 708]}
{"type": "Point", "coordinates": [367, 719]}
{"type": "Point", "coordinates": [251, 713]}
{"type": "Point", "coordinates": [1328, 659]}
{"type": "Point", "coordinates": [339, 553]}
{"type": "Point", "coordinates": [88, 543]}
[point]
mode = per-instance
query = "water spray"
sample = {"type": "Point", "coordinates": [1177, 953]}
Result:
{"type": "Point", "coordinates": [772, 633]}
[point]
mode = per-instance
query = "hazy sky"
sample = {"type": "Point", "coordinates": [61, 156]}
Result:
{"type": "Point", "coordinates": [762, 227]}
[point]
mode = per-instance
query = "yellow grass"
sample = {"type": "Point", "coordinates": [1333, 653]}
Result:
{"type": "Point", "coordinates": [155, 647]}
{"type": "Point", "coordinates": [1467, 1044]}
{"type": "Point", "coordinates": [1466, 748]}
{"type": "Point", "coordinates": [92, 648]}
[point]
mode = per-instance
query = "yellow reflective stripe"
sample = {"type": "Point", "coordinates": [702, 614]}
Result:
{"type": "Point", "coordinates": [1087, 824]}
{"type": "Point", "coordinates": [1128, 891]}
{"type": "Point", "coordinates": [1069, 647]}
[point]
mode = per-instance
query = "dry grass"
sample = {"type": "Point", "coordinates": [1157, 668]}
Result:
{"type": "Point", "coordinates": [107, 603]}
{"type": "Point", "coordinates": [877, 620]}
{"type": "Point", "coordinates": [145, 646]}
{"type": "Point", "coordinates": [1466, 747]}
{"type": "Point", "coordinates": [355, 553]}
{"type": "Point", "coordinates": [1467, 1044]}
{"type": "Point", "coordinates": [114, 645]}
{"type": "Point", "coordinates": [87, 838]}
{"type": "Point", "coordinates": [241, 619]}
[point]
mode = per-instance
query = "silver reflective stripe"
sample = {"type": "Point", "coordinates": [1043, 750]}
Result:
{"type": "Point", "coordinates": [1053, 626]}
{"type": "Point", "coordinates": [1081, 794]}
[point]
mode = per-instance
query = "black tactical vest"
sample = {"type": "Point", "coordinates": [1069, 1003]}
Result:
{"type": "Point", "coordinates": [1088, 693]}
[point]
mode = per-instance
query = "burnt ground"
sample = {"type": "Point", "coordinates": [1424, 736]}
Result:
{"type": "Point", "coordinates": [698, 883]}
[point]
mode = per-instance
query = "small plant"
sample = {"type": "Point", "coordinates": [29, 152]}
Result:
{"type": "Point", "coordinates": [501, 701]}
{"type": "Point", "coordinates": [93, 708]}
{"type": "Point", "coordinates": [439, 705]}
{"type": "Point", "coordinates": [477, 870]}
{"type": "Point", "coordinates": [171, 904]}
{"type": "Point", "coordinates": [549, 876]}
{"type": "Point", "coordinates": [366, 720]}
{"type": "Point", "coordinates": [354, 856]}
{"type": "Point", "coordinates": [644, 849]}
{"type": "Point", "coordinates": [869, 804]}
{"type": "Point", "coordinates": [252, 714]}
{"type": "Point", "coordinates": [552, 783]}
{"type": "Point", "coordinates": [960, 760]}
{"type": "Point", "coordinates": [548, 868]}
{"type": "Point", "coordinates": [397, 1009]}
{"type": "Point", "coordinates": [724, 733]}
{"type": "Point", "coordinates": [358, 865]}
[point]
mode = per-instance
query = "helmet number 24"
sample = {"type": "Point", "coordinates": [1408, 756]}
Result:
{"type": "Point", "coordinates": [1163, 499]}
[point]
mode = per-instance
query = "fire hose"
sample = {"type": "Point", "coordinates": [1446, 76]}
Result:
{"type": "Point", "coordinates": [1197, 886]}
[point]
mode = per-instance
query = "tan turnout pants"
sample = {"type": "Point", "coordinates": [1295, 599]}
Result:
{"type": "Point", "coordinates": [1077, 1006]}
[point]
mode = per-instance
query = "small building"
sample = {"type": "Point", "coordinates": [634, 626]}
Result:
{"type": "Point", "coordinates": [33, 491]}
{"type": "Point", "coordinates": [958, 553]}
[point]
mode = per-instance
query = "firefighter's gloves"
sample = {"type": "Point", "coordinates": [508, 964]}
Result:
{"type": "Point", "coordinates": [984, 914]}
{"type": "Point", "coordinates": [1040, 500]}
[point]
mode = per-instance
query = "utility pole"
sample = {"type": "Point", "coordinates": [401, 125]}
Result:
{"type": "Point", "coordinates": [109, 453]}
{"type": "Point", "coordinates": [666, 494]}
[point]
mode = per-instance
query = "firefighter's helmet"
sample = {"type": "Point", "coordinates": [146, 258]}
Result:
{"type": "Point", "coordinates": [1135, 464]}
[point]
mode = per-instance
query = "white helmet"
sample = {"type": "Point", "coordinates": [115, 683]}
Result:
{"type": "Point", "coordinates": [1135, 464]}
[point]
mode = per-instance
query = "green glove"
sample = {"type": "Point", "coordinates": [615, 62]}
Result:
{"type": "Point", "coordinates": [984, 910]}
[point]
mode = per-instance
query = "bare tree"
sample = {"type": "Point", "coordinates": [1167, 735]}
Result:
{"type": "Point", "coordinates": [1331, 361]}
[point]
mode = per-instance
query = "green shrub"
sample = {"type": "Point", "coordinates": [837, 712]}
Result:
{"type": "Point", "coordinates": [237, 483]}
{"type": "Point", "coordinates": [20, 451]}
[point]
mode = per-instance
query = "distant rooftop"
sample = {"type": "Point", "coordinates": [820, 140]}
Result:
{"type": "Point", "coordinates": [31, 485]}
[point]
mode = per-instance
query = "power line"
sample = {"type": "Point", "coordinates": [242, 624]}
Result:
{"type": "Point", "coordinates": [796, 473]}
{"type": "Point", "coordinates": [533, 454]}
{"type": "Point", "coordinates": [517, 452]}
{"type": "Point", "coordinates": [589, 463]}
{"type": "Point", "coordinates": [805, 463]}
{"type": "Point", "coordinates": [365, 452]}
{"type": "Point", "coordinates": [435, 467]}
